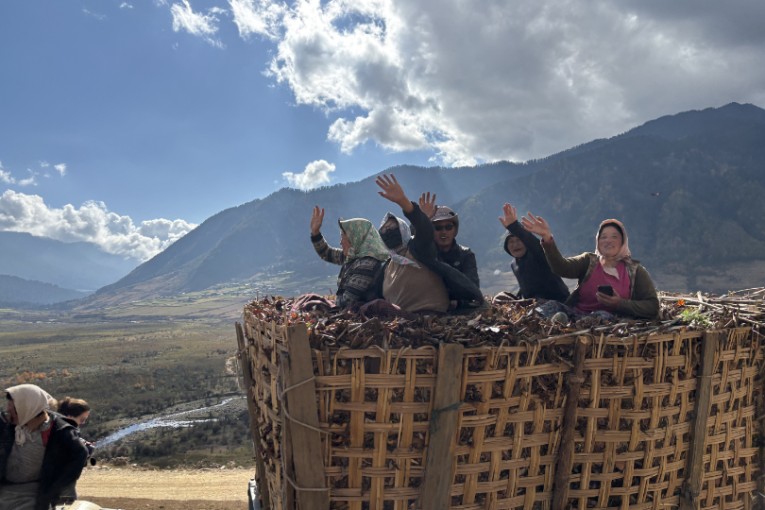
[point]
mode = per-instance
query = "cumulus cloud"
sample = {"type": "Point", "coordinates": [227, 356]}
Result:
{"type": "Point", "coordinates": [476, 82]}
{"type": "Point", "coordinates": [60, 168]}
{"type": "Point", "coordinates": [91, 222]}
{"type": "Point", "coordinates": [125, 5]}
{"type": "Point", "coordinates": [195, 23]}
{"type": "Point", "coordinates": [316, 174]}
{"type": "Point", "coordinates": [512, 80]}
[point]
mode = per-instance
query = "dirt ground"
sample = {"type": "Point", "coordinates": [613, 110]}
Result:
{"type": "Point", "coordinates": [139, 489]}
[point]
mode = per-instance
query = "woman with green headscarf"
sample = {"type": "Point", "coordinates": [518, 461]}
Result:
{"type": "Point", "coordinates": [362, 255]}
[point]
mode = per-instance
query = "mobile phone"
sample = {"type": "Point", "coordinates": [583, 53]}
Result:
{"type": "Point", "coordinates": [606, 289]}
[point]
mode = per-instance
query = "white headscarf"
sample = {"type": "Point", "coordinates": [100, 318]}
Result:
{"type": "Point", "coordinates": [29, 400]}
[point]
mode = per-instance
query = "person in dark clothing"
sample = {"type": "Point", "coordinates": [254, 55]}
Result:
{"type": "Point", "coordinates": [535, 278]}
{"type": "Point", "coordinates": [76, 412]}
{"type": "Point", "coordinates": [40, 452]}
{"type": "Point", "coordinates": [402, 279]}
{"type": "Point", "coordinates": [361, 257]}
{"type": "Point", "coordinates": [446, 224]}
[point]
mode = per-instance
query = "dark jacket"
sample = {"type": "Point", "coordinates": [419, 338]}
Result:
{"type": "Point", "coordinates": [64, 459]}
{"type": "Point", "coordinates": [460, 276]}
{"type": "Point", "coordinates": [359, 281]}
{"type": "Point", "coordinates": [535, 278]}
{"type": "Point", "coordinates": [643, 302]}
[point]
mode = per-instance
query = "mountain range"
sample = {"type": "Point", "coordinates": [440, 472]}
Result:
{"type": "Point", "coordinates": [76, 269]}
{"type": "Point", "coordinates": [689, 188]}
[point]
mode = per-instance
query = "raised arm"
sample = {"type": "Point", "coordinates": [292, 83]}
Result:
{"type": "Point", "coordinates": [509, 220]}
{"type": "Point", "coordinates": [392, 190]}
{"type": "Point", "coordinates": [572, 267]}
{"type": "Point", "coordinates": [324, 250]}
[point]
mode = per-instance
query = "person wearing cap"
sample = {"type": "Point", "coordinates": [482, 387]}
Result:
{"type": "Point", "coordinates": [446, 224]}
{"type": "Point", "coordinates": [530, 267]}
{"type": "Point", "coordinates": [610, 280]}
{"type": "Point", "coordinates": [409, 282]}
{"type": "Point", "coordinates": [424, 283]}
{"type": "Point", "coordinates": [361, 257]}
{"type": "Point", "coordinates": [40, 452]}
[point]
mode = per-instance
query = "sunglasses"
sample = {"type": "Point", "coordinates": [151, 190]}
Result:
{"type": "Point", "coordinates": [448, 227]}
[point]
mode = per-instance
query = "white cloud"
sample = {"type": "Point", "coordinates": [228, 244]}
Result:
{"type": "Point", "coordinates": [125, 5]}
{"type": "Point", "coordinates": [28, 181]}
{"type": "Point", "coordinates": [316, 174]}
{"type": "Point", "coordinates": [257, 17]}
{"type": "Point", "coordinates": [60, 168]}
{"type": "Point", "coordinates": [509, 80]}
{"type": "Point", "coordinates": [99, 17]}
{"type": "Point", "coordinates": [482, 81]}
{"type": "Point", "coordinates": [197, 24]}
{"type": "Point", "coordinates": [5, 175]}
{"type": "Point", "coordinates": [91, 222]}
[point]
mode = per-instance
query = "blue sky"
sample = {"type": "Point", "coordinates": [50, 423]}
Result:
{"type": "Point", "coordinates": [126, 123]}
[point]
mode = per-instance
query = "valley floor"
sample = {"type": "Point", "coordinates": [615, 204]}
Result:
{"type": "Point", "coordinates": [179, 489]}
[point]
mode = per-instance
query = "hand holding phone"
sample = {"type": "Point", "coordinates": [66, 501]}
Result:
{"type": "Point", "coordinates": [606, 289]}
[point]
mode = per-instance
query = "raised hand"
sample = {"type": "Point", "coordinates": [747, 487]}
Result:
{"type": "Point", "coordinates": [537, 225]}
{"type": "Point", "coordinates": [428, 204]}
{"type": "Point", "coordinates": [393, 191]}
{"type": "Point", "coordinates": [509, 215]}
{"type": "Point", "coordinates": [317, 218]}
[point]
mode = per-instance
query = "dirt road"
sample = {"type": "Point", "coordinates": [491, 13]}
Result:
{"type": "Point", "coordinates": [139, 489]}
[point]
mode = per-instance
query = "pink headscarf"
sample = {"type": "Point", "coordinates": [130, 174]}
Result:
{"type": "Point", "coordinates": [624, 252]}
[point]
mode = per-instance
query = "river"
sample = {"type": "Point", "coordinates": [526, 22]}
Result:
{"type": "Point", "coordinates": [172, 420]}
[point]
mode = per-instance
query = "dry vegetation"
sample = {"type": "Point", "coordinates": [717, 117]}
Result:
{"type": "Point", "coordinates": [129, 369]}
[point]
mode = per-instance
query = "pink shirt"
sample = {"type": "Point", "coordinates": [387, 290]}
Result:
{"type": "Point", "coordinates": [587, 300]}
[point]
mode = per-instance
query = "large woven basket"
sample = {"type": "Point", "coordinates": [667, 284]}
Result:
{"type": "Point", "coordinates": [658, 422]}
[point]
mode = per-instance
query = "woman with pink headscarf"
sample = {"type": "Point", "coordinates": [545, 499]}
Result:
{"type": "Point", "coordinates": [609, 279]}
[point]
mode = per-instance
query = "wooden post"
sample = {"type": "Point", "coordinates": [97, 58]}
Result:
{"type": "Point", "coordinates": [439, 464]}
{"type": "Point", "coordinates": [566, 448]}
{"type": "Point", "coordinates": [305, 440]}
{"type": "Point", "coordinates": [247, 381]}
{"type": "Point", "coordinates": [695, 462]}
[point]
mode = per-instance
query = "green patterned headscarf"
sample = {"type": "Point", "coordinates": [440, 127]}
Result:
{"type": "Point", "coordinates": [364, 238]}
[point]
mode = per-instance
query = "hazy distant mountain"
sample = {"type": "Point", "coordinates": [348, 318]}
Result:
{"type": "Point", "coordinates": [16, 292]}
{"type": "Point", "coordinates": [80, 266]}
{"type": "Point", "coordinates": [689, 187]}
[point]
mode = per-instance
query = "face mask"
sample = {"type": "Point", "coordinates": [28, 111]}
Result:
{"type": "Point", "coordinates": [392, 238]}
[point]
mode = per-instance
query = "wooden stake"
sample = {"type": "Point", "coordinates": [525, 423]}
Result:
{"type": "Point", "coordinates": [566, 449]}
{"type": "Point", "coordinates": [300, 401]}
{"type": "Point", "coordinates": [442, 441]}
{"type": "Point", "coordinates": [252, 409]}
{"type": "Point", "coordinates": [695, 461]}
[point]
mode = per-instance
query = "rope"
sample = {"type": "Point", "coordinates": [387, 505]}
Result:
{"type": "Point", "coordinates": [287, 413]}
{"type": "Point", "coordinates": [304, 489]}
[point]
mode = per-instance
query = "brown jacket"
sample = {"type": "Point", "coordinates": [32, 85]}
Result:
{"type": "Point", "coordinates": [643, 302]}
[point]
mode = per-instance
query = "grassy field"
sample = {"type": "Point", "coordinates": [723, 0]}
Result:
{"type": "Point", "coordinates": [135, 361]}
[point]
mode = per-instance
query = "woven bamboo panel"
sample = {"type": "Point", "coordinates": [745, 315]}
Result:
{"type": "Point", "coordinates": [632, 426]}
{"type": "Point", "coordinates": [265, 342]}
{"type": "Point", "coordinates": [730, 459]}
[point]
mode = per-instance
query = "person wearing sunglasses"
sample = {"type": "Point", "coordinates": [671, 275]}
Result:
{"type": "Point", "coordinates": [446, 224]}
{"type": "Point", "coordinates": [425, 283]}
